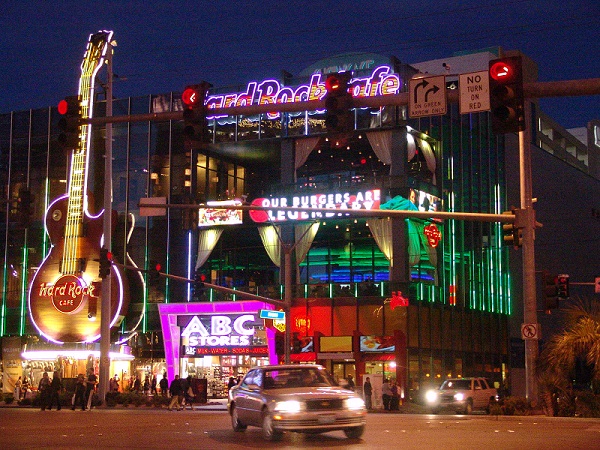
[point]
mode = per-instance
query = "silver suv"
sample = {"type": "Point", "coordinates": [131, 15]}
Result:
{"type": "Point", "coordinates": [462, 395]}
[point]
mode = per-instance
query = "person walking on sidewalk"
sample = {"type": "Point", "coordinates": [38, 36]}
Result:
{"type": "Point", "coordinates": [79, 396]}
{"type": "Point", "coordinates": [92, 381]}
{"type": "Point", "coordinates": [368, 393]}
{"type": "Point", "coordinates": [44, 390]}
{"type": "Point", "coordinates": [56, 387]}
{"type": "Point", "coordinates": [176, 393]}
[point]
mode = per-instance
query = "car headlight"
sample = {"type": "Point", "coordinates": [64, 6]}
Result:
{"type": "Point", "coordinates": [459, 397]}
{"type": "Point", "coordinates": [431, 396]}
{"type": "Point", "coordinates": [289, 406]}
{"type": "Point", "coordinates": [355, 403]}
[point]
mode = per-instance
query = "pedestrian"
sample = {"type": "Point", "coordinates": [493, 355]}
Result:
{"type": "Point", "coordinates": [56, 387]}
{"type": "Point", "coordinates": [350, 383]}
{"type": "Point", "coordinates": [368, 392]}
{"type": "Point", "coordinates": [176, 394]}
{"type": "Point", "coordinates": [114, 384]}
{"type": "Point", "coordinates": [188, 392]}
{"type": "Point", "coordinates": [90, 388]}
{"type": "Point", "coordinates": [153, 385]}
{"type": "Point", "coordinates": [25, 387]}
{"type": "Point", "coordinates": [44, 390]}
{"type": "Point", "coordinates": [231, 383]}
{"type": "Point", "coordinates": [395, 400]}
{"type": "Point", "coordinates": [386, 394]}
{"type": "Point", "coordinates": [146, 385]}
{"type": "Point", "coordinates": [79, 395]}
{"type": "Point", "coordinates": [164, 385]}
{"type": "Point", "coordinates": [18, 385]}
{"type": "Point", "coordinates": [137, 384]}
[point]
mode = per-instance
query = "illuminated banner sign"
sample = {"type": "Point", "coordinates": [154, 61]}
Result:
{"type": "Point", "coordinates": [223, 334]}
{"type": "Point", "coordinates": [272, 92]}
{"type": "Point", "coordinates": [377, 344]}
{"type": "Point", "coordinates": [209, 216]}
{"type": "Point", "coordinates": [337, 201]}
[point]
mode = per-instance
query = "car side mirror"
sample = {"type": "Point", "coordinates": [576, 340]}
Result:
{"type": "Point", "coordinates": [253, 387]}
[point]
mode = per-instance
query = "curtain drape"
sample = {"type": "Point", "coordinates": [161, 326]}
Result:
{"type": "Point", "coordinates": [381, 142]}
{"type": "Point", "coordinates": [303, 148]}
{"type": "Point", "coordinates": [381, 229]}
{"type": "Point", "coordinates": [269, 234]}
{"type": "Point", "coordinates": [207, 240]}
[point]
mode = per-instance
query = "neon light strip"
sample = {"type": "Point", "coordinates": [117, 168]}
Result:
{"type": "Point", "coordinates": [49, 355]}
{"type": "Point", "coordinates": [172, 332]}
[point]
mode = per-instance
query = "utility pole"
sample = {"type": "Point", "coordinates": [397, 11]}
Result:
{"type": "Point", "coordinates": [107, 230]}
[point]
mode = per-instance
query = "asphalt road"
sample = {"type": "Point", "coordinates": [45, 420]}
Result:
{"type": "Point", "coordinates": [150, 428]}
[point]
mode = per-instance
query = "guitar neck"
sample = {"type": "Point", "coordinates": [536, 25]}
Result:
{"type": "Point", "coordinates": [77, 204]}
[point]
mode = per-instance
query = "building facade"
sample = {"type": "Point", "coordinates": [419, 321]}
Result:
{"type": "Point", "coordinates": [411, 299]}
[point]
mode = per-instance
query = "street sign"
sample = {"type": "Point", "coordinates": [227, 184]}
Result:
{"type": "Point", "coordinates": [427, 96]}
{"type": "Point", "coordinates": [270, 314]}
{"type": "Point", "coordinates": [597, 285]}
{"type": "Point", "coordinates": [474, 92]}
{"type": "Point", "coordinates": [530, 331]}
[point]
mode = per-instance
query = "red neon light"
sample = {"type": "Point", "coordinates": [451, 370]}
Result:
{"type": "Point", "coordinates": [433, 235]}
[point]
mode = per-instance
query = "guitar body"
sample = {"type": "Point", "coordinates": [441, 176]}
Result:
{"type": "Point", "coordinates": [65, 306]}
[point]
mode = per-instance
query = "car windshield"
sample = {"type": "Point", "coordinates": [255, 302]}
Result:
{"type": "Point", "coordinates": [456, 384]}
{"type": "Point", "coordinates": [296, 377]}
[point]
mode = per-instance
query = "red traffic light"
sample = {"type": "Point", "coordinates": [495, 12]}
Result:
{"type": "Point", "coordinates": [63, 107]}
{"type": "Point", "coordinates": [501, 71]}
{"type": "Point", "coordinates": [157, 267]}
{"type": "Point", "coordinates": [109, 256]}
{"type": "Point", "coordinates": [191, 97]}
{"type": "Point", "coordinates": [335, 82]}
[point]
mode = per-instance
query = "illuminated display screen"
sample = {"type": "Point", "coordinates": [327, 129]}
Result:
{"type": "Point", "coordinates": [424, 201]}
{"type": "Point", "coordinates": [335, 344]}
{"type": "Point", "coordinates": [377, 344]}
{"type": "Point", "coordinates": [208, 217]}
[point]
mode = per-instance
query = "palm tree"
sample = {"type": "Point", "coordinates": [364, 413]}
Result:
{"type": "Point", "coordinates": [579, 341]}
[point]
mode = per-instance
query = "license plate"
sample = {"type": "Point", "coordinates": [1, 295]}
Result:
{"type": "Point", "coordinates": [327, 419]}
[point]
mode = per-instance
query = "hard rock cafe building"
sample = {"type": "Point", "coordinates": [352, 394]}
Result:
{"type": "Point", "coordinates": [410, 299]}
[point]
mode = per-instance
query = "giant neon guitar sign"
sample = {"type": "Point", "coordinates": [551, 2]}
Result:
{"type": "Point", "coordinates": [64, 294]}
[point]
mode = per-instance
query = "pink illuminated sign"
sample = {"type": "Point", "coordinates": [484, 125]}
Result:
{"type": "Point", "coordinates": [272, 92]}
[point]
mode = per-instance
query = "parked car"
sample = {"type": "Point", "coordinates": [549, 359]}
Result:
{"type": "Point", "coordinates": [462, 395]}
{"type": "Point", "coordinates": [300, 398]}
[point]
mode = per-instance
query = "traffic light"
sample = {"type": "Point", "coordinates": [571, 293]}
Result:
{"type": "Point", "coordinates": [70, 109]}
{"type": "Point", "coordinates": [339, 103]}
{"type": "Point", "coordinates": [154, 273]}
{"type": "Point", "coordinates": [195, 127]}
{"type": "Point", "coordinates": [506, 95]}
{"type": "Point", "coordinates": [24, 210]}
{"type": "Point", "coordinates": [550, 291]}
{"type": "Point", "coordinates": [198, 286]}
{"type": "Point", "coordinates": [105, 263]}
{"type": "Point", "coordinates": [562, 286]}
{"type": "Point", "coordinates": [512, 234]}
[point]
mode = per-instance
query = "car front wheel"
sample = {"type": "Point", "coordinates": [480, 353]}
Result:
{"type": "Point", "coordinates": [469, 407]}
{"type": "Point", "coordinates": [235, 420]}
{"type": "Point", "coordinates": [354, 433]}
{"type": "Point", "coordinates": [268, 432]}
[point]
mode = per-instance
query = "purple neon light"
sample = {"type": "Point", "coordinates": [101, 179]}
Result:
{"type": "Point", "coordinates": [171, 332]}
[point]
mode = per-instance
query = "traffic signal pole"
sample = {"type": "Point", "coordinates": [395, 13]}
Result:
{"type": "Point", "coordinates": [104, 368]}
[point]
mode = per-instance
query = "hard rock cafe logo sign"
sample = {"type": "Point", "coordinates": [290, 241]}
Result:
{"type": "Point", "coordinates": [433, 235]}
{"type": "Point", "coordinates": [69, 293]}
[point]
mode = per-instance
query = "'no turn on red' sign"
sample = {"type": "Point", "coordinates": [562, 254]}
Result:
{"type": "Point", "coordinates": [474, 92]}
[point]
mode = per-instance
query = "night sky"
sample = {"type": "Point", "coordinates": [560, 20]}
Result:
{"type": "Point", "coordinates": [162, 46]}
